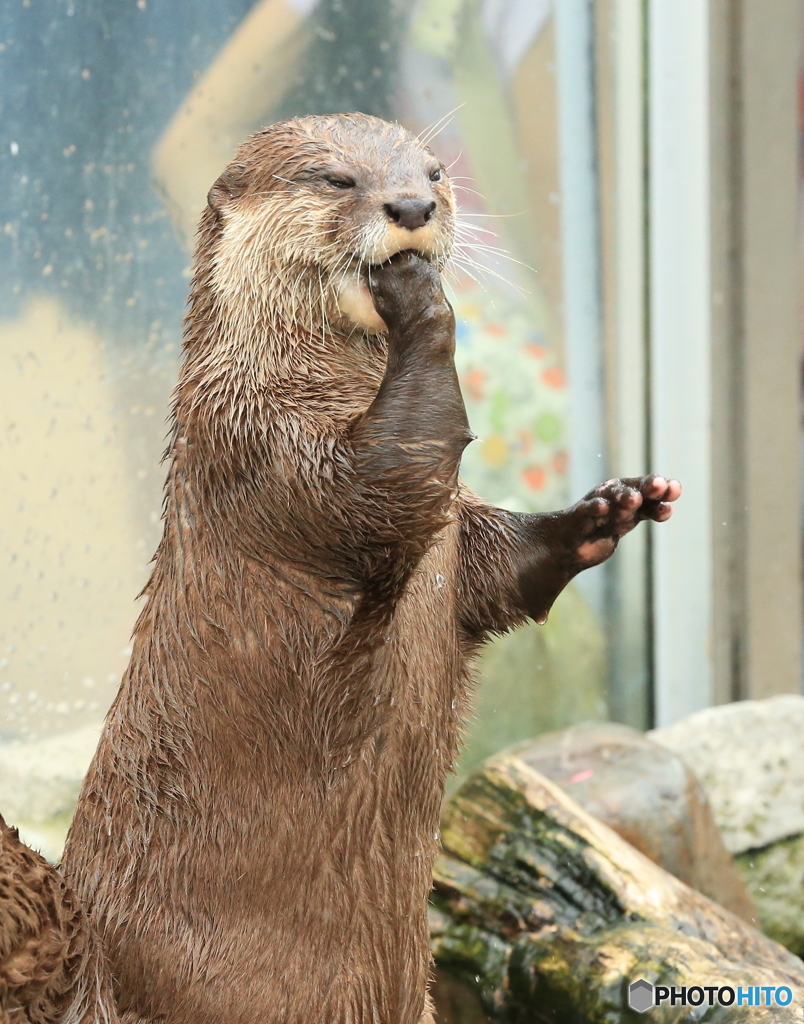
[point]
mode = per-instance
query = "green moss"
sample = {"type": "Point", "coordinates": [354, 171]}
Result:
{"type": "Point", "coordinates": [490, 825]}
{"type": "Point", "coordinates": [774, 875]}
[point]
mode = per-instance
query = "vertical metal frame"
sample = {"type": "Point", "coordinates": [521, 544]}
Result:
{"type": "Point", "coordinates": [580, 242]}
{"type": "Point", "coordinates": [680, 350]}
{"type": "Point", "coordinates": [622, 109]}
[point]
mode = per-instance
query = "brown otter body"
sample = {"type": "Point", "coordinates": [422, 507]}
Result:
{"type": "Point", "coordinates": [255, 837]}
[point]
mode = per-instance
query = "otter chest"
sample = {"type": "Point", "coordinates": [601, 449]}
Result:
{"type": "Point", "coordinates": [421, 665]}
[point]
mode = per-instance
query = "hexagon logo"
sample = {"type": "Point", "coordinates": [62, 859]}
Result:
{"type": "Point", "coordinates": [640, 995]}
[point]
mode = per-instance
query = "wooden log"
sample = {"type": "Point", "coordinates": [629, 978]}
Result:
{"type": "Point", "coordinates": [543, 913]}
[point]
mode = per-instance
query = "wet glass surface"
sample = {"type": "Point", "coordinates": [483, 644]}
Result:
{"type": "Point", "coordinates": [116, 119]}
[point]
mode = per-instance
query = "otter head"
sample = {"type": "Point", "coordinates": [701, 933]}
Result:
{"type": "Point", "coordinates": [307, 206]}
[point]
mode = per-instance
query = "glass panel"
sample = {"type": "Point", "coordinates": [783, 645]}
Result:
{"type": "Point", "coordinates": [116, 120]}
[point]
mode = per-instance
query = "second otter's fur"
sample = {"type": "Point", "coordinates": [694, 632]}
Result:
{"type": "Point", "coordinates": [255, 837]}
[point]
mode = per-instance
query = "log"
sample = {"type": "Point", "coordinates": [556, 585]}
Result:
{"type": "Point", "coordinates": [540, 912]}
{"type": "Point", "coordinates": [650, 797]}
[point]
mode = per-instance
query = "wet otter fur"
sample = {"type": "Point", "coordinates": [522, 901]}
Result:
{"type": "Point", "coordinates": [51, 963]}
{"type": "Point", "coordinates": [255, 836]}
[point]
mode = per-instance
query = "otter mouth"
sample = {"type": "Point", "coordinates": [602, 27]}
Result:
{"type": "Point", "coordinates": [354, 297]}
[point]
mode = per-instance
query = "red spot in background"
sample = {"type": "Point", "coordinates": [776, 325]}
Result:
{"type": "Point", "coordinates": [475, 384]}
{"type": "Point", "coordinates": [497, 330]}
{"type": "Point", "coordinates": [525, 441]}
{"type": "Point", "coordinates": [560, 461]}
{"type": "Point", "coordinates": [582, 776]}
{"type": "Point", "coordinates": [554, 377]}
{"type": "Point", "coordinates": [535, 350]}
{"type": "Point", "coordinates": [463, 284]}
{"type": "Point", "coordinates": [535, 477]}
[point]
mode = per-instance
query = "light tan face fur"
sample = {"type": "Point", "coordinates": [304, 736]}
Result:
{"type": "Point", "coordinates": [308, 206]}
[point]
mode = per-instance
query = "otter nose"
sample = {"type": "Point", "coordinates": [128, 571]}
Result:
{"type": "Point", "coordinates": [410, 213]}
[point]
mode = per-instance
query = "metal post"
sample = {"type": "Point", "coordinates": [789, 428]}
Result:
{"type": "Point", "coordinates": [581, 257]}
{"type": "Point", "coordinates": [681, 412]}
{"type": "Point", "coordinates": [622, 112]}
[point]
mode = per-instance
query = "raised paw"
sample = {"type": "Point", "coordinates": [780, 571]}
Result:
{"type": "Point", "coordinates": [408, 289]}
{"type": "Point", "coordinates": [614, 508]}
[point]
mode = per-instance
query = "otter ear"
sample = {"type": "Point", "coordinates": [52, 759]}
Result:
{"type": "Point", "coordinates": [230, 185]}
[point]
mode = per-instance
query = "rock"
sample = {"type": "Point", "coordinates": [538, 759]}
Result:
{"type": "Point", "coordinates": [39, 785]}
{"type": "Point", "coordinates": [454, 1002]}
{"type": "Point", "coordinates": [649, 796]}
{"type": "Point", "coordinates": [543, 913]}
{"type": "Point", "coordinates": [749, 757]}
{"type": "Point", "coordinates": [775, 877]}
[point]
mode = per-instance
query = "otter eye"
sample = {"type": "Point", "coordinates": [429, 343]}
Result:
{"type": "Point", "coordinates": [339, 181]}
{"type": "Point", "coordinates": [436, 174]}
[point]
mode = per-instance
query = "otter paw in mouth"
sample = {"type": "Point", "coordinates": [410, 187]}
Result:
{"type": "Point", "coordinates": [407, 288]}
{"type": "Point", "coordinates": [614, 508]}
{"type": "Point", "coordinates": [356, 303]}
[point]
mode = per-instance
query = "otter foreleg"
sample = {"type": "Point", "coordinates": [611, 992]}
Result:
{"type": "Point", "coordinates": [515, 565]}
{"type": "Point", "coordinates": [407, 446]}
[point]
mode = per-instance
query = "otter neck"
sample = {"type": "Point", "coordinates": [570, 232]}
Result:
{"type": "Point", "coordinates": [279, 326]}
{"type": "Point", "coordinates": [266, 380]}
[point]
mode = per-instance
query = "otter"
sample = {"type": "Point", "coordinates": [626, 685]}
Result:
{"type": "Point", "coordinates": [254, 840]}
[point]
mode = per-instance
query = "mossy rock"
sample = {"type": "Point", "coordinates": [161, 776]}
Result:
{"type": "Point", "coordinates": [542, 913]}
{"type": "Point", "coordinates": [774, 875]}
